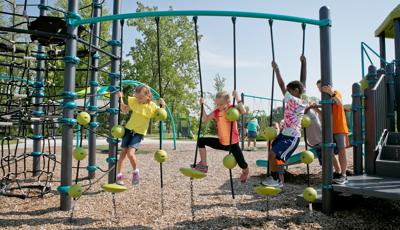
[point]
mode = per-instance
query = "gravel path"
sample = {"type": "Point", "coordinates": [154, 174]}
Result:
{"type": "Point", "coordinates": [140, 206]}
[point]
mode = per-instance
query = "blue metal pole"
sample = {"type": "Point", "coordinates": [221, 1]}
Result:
{"type": "Point", "coordinates": [397, 68]}
{"type": "Point", "coordinates": [114, 84]}
{"type": "Point", "coordinates": [69, 105]}
{"type": "Point", "coordinates": [327, 137]}
{"type": "Point", "coordinates": [38, 112]}
{"type": "Point", "coordinates": [93, 91]}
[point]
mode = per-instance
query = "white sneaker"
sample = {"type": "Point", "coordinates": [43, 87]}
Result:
{"type": "Point", "coordinates": [120, 179]}
{"type": "Point", "coordinates": [271, 182]}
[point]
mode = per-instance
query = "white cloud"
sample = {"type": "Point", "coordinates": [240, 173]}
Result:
{"type": "Point", "coordinates": [215, 60]}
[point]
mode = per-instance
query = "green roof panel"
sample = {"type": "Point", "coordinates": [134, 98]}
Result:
{"type": "Point", "coordinates": [387, 24]}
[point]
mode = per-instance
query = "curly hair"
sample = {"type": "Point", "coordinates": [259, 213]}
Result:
{"type": "Point", "coordinates": [296, 85]}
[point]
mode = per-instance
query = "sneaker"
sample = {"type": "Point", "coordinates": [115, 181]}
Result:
{"type": "Point", "coordinates": [120, 179]}
{"type": "Point", "coordinates": [200, 167]}
{"type": "Point", "coordinates": [254, 148]}
{"type": "Point", "coordinates": [135, 177]}
{"type": "Point", "coordinates": [349, 173]}
{"type": "Point", "coordinates": [336, 175]}
{"type": "Point", "coordinates": [341, 180]}
{"type": "Point", "coordinates": [271, 182]}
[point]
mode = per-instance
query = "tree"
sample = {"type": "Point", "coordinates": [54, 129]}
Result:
{"type": "Point", "coordinates": [219, 85]}
{"type": "Point", "coordinates": [178, 59]}
{"type": "Point", "coordinates": [81, 76]}
{"type": "Point", "coordinates": [85, 35]}
{"type": "Point", "coordinates": [277, 115]}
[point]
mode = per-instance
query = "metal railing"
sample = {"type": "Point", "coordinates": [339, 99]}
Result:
{"type": "Point", "coordinates": [376, 119]}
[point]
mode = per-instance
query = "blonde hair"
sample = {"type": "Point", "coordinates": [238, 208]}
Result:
{"type": "Point", "coordinates": [146, 91]}
{"type": "Point", "coordinates": [224, 95]}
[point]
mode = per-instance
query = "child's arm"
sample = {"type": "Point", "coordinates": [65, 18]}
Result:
{"type": "Point", "coordinates": [162, 103]}
{"type": "Point", "coordinates": [124, 107]}
{"type": "Point", "coordinates": [303, 70]}
{"type": "Point", "coordinates": [279, 77]}
{"type": "Point", "coordinates": [206, 117]}
{"type": "Point", "coordinates": [328, 90]}
{"type": "Point", "coordinates": [315, 107]}
{"type": "Point", "coordinates": [241, 108]}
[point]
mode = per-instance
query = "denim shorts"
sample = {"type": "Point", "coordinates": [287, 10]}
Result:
{"type": "Point", "coordinates": [131, 139]}
{"type": "Point", "coordinates": [318, 151]}
{"type": "Point", "coordinates": [252, 134]}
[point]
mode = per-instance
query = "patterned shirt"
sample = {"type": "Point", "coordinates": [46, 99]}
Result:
{"type": "Point", "coordinates": [294, 111]}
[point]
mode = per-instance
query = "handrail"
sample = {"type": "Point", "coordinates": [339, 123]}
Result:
{"type": "Point", "coordinates": [377, 84]}
{"type": "Point", "coordinates": [363, 50]}
{"type": "Point", "coordinates": [264, 98]}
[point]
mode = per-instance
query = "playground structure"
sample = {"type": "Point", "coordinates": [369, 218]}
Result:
{"type": "Point", "coordinates": [32, 110]}
{"type": "Point", "coordinates": [375, 105]}
{"type": "Point", "coordinates": [44, 118]}
{"type": "Point", "coordinates": [71, 60]}
{"type": "Point", "coordinates": [184, 126]}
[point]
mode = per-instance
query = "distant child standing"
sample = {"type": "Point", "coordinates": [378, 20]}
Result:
{"type": "Point", "coordinates": [143, 109]}
{"type": "Point", "coordinates": [252, 128]}
{"type": "Point", "coordinates": [222, 142]}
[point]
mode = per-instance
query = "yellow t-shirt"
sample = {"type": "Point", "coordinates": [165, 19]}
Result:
{"type": "Point", "coordinates": [141, 114]}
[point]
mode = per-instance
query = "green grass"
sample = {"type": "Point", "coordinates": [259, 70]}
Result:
{"type": "Point", "coordinates": [12, 142]}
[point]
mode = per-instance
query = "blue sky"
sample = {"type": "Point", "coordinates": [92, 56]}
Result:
{"type": "Point", "coordinates": [352, 22]}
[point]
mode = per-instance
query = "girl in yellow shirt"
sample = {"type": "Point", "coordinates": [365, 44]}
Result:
{"type": "Point", "coordinates": [143, 108]}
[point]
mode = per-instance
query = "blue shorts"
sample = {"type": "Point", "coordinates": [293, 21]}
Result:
{"type": "Point", "coordinates": [318, 151]}
{"type": "Point", "coordinates": [131, 139]}
{"type": "Point", "coordinates": [284, 146]}
{"type": "Point", "coordinates": [252, 134]}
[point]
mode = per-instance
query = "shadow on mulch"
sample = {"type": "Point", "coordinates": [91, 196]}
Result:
{"type": "Point", "coordinates": [138, 227]}
{"type": "Point", "coordinates": [385, 211]}
{"type": "Point", "coordinates": [302, 179]}
{"type": "Point", "coordinates": [223, 222]}
{"type": "Point", "coordinates": [297, 179]}
{"type": "Point", "coordinates": [225, 189]}
{"type": "Point", "coordinates": [43, 221]}
{"type": "Point", "coordinates": [31, 212]}
{"type": "Point", "coordinates": [259, 204]}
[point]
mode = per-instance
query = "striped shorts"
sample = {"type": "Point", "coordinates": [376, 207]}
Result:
{"type": "Point", "coordinates": [284, 146]}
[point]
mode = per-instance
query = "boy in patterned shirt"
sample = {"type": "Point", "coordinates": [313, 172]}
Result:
{"type": "Point", "coordinates": [287, 141]}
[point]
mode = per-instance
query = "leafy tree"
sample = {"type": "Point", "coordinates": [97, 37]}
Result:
{"type": "Point", "coordinates": [81, 76]}
{"type": "Point", "coordinates": [178, 59]}
{"type": "Point", "coordinates": [104, 34]}
{"type": "Point", "coordinates": [277, 115]}
{"type": "Point", "coordinates": [219, 85]}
